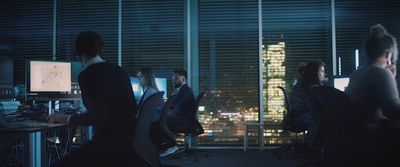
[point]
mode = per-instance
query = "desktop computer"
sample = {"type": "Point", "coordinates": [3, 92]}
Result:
{"type": "Point", "coordinates": [52, 80]}
{"type": "Point", "coordinates": [162, 86]}
{"type": "Point", "coordinates": [137, 89]}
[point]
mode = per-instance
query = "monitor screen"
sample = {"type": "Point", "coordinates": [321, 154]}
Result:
{"type": "Point", "coordinates": [52, 80]}
{"type": "Point", "coordinates": [341, 82]}
{"type": "Point", "coordinates": [137, 90]}
{"type": "Point", "coordinates": [6, 77]}
{"type": "Point", "coordinates": [162, 86]}
{"type": "Point", "coordinates": [50, 76]}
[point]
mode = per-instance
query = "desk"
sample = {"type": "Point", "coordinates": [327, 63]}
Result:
{"type": "Point", "coordinates": [34, 139]}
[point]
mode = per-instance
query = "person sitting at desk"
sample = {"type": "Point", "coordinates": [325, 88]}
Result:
{"type": "Point", "coordinates": [182, 110]}
{"type": "Point", "coordinates": [183, 107]}
{"type": "Point", "coordinates": [148, 83]}
{"type": "Point", "coordinates": [111, 109]}
{"type": "Point", "coordinates": [311, 75]}
{"type": "Point", "coordinates": [373, 92]}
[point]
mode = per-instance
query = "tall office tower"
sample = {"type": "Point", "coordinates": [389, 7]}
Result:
{"type": "Point", "coordinates": [273, 98]}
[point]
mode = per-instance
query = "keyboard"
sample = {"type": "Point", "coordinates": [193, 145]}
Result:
{"type": "Point", "coordinates": [41, 117]}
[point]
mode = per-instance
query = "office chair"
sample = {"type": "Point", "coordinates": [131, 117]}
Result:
{"type": "Point", "coordinates": [289, 125]}
{"type": "Point", "coordinates": [336, 126]}
{"type": "Point", "coordinates": [142, 141]}
{"type": "Point", "coordinates": [56, 146]}
{"type": "Point", "coordinates": [191, 131]}
{"type": "Point", "coordinates": [163, 118]}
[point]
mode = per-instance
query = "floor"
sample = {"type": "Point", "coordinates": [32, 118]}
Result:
{"type": "Point", "coordinates": [238, 158]}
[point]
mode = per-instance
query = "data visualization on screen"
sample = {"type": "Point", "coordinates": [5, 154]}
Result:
{"type": "Point", "coordinates": [50, 76]}
{"type": "Point", "coordinates": [137, 90]}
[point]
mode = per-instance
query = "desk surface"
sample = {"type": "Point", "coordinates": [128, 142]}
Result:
{"type": "Point", "coordinates": [41, 126]}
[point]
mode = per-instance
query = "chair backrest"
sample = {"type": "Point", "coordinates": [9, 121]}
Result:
{"type": "Point", "coordinates": [163, 118]}
{"type": "Point", "coordinates": [199, 97]}
{"type": "Point", "coordinates": [142, 141]}
{"type": "Point", "coordinates": [167, 106]}
{"type": "Point", "coordinates": [197, 101]}
{"type": "Point", "coordinates": [336, 123]}
{"type": "Point", "coordinates": [288, 123]}
{"type": "Point", "coordinates": [287, 103]}
{"type": "Point", "coordinates": [197, 129]}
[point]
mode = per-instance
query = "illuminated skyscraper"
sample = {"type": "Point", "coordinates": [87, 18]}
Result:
{"type": "Point", "coordinates": [273, 59]}
{"type": "Point", "coordinates": [273, 98]}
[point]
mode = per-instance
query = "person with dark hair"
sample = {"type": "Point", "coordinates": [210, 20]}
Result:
{"type": "Point", "coordinates": [182, 112]}
{"type": "Point", "coordinates": [183, 108]}
{"type": "Point", "coordinates": [373, 92]}
{"type": "Point", "coordinates": [300, 70]}
{"type": "Point", "coordinates": [312, 74]}
{"type": "Point", "coordinates": [111, 109]}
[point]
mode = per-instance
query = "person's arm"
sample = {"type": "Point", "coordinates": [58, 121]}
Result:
{"type": "Point", "coordinates": [385, 88]}
{"type": "Point", "coordinates": [93, 100]}
{"type": "Point", "coordinates": [393, 69]}
{"type": "Point", "coordinates": [82, 119]}
{"type": "Point", "coordinates": [180, 97]}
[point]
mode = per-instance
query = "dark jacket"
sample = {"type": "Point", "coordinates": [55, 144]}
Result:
{"type": "Point", "coordinates": [184, 104]}
{"type": "Point", "coordinates": [107, 94]}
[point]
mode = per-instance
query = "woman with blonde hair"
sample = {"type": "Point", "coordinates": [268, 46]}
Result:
{"type": "Point", "coordinates": [148, 84]}
{"type": "Point", "coordinates": [161, 137]}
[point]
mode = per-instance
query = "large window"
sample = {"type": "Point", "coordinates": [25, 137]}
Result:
{"type": "Point", "coordinates": [26, 32]}
{"type": "Point", "coordinates": [228, 62]}
{"type": "Point", "coordinates": [152, 35]}
{"type": "Point", "coordinates": [353, 20]}
{"type": "Point", "coordinates": [100, 16]}
{"type": "Point", "coordinates": [293, 32]}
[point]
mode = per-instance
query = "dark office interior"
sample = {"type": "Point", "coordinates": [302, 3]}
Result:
{"type": "Point", "coordinates": [244, 69]}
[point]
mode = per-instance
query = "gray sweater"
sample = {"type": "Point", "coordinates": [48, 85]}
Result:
{"type": "Point", "coordinates": [373, 91]}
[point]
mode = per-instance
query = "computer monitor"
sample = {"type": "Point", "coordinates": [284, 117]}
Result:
{"type": "Point", "coordinates": [51, 80]}
{"type": "Point", "coordinates": [137, 90]}
{"type": "Point", "coordinates": [341, 82]}
{"type": "Point", "coordinates": [162, 86]}
{"type": "Point", "coordinates": [6, 77]}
